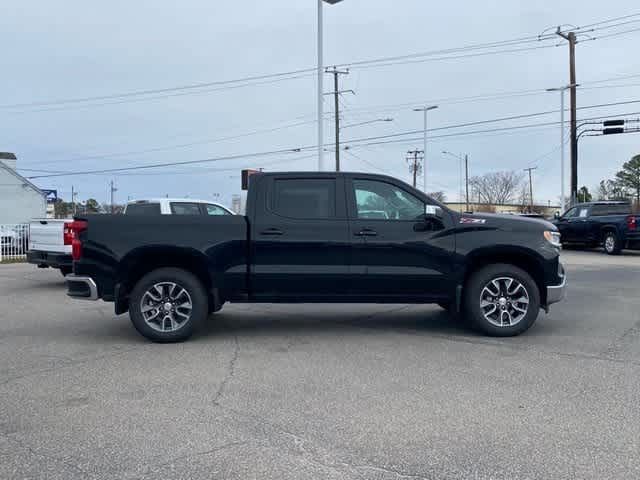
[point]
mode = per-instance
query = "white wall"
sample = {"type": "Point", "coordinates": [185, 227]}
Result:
{"type": "Point", "coordinates": [18, 203]}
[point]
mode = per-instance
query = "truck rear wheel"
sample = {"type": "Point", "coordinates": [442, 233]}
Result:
{"type": "Point", "coordinates": [501, 300]}
{"type": "Point", "coordinates": [611, 243]}
{"type": "Point", "coordinates": [167, 305]}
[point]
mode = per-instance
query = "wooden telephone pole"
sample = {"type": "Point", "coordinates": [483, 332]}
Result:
{"type": "Point", "coordinates": [571, 38]}
{"type": "Point", "coordinates": [336, 92]}
{"type": "Point", "coordinates": [415, 163]}
{"type": "Point", "coordinates": [530, 169]}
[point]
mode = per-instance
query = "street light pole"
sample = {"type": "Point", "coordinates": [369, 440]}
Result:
{"type": "Point", "coordinates": [562, 154]}
{"type": "Point", "coordinates": [425, 109]}
{"type": "Point", "coordinates": [320, 118]}
{"type": "Point", "coordinates": [320, 92]}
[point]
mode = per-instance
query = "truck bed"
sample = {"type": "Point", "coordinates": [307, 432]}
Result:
{"type": "Point", "coordinates": [116, 247]}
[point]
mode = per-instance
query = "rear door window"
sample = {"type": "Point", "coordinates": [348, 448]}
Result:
{"type": "Point", "coordinates": [304, 198]}
{"type": "Point", "coordinates": [185, 208]}
{"type": "Point", "coordinates": [143, 208]}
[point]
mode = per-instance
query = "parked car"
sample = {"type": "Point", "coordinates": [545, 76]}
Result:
{"type": "Point", "coordinates": [175, 206]}
{"type": "Point", "coordinates": [305, 239]}
{"type": "Point", "coordinates": [610, 224]}
{"type": "Point", "coordinates": [50, 244]}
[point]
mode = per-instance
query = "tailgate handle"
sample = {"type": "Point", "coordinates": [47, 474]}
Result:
{"type": "Point", "coordinates": [366, 232]}
{"type": "Point", "coordinates": [43, 222]}
{"type": "Point", "coordinates": [271, 231]}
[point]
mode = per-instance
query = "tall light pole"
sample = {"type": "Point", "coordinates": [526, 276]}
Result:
{"type": "Point", "coordinates": [562, 169]}
{"type": "Point", "coordinates": [425, 109]}
{"type": "Point", "coordinates": [320, 85]}
{"type": "Point", "coordinates": [466, 173]}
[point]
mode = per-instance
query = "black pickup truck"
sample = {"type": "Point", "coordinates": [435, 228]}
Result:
{"type": "Point", "coordinates": [607, 223]}
{"type": "Point", "coordinates": [318, 238]}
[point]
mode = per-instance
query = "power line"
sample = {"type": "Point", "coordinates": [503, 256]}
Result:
{"type": "Point", "coordinates": [136, 93]}
{"type": "Point", "coordinates": [356, 141]}
{"type": "Point", "coordinates": [172, 147]}
{"type": "Point", "coordinates": [279, 76]}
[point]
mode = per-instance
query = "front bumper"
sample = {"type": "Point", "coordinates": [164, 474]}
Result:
{"type": "Point", "coordinates": [83, 288]}
{"type": "Point", "coordinates": [49, 259]}
{"type": "Point", "coordinates": [555, 293]}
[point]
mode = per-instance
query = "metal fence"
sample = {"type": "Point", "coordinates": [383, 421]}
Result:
{"type": "Point", "coordinates": [14, 241]}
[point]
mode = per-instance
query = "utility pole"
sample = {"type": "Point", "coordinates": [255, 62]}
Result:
{"type": "Point", "coordinates": [336, 92]}
{"type": "Point", "coordinates": [466, 177]}
{"type": "Point", "coordinates": [530, 169]}
{"type": "Point", "coordinates": [571, 38]}
{"type": "Point", "coordinates": [414, 163]}
{"type": "Point", "coordinates": [112, 190]}
{"type": "Point", "coordinates": [73, 200]}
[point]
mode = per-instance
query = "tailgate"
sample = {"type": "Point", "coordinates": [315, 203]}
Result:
{"type": "Point", "coordinates": [46, 235]}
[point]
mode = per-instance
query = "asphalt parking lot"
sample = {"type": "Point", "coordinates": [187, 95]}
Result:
{"type": "Point", "coordinates": [322, 391]}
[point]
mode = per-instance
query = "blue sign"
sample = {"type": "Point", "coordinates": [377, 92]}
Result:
{"type": "Point", "coordinates": [51, 195]}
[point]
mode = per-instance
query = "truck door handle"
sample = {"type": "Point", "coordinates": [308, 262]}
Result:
{"type": "Point", "coordinates": [271, 231]}
{"type": "Point", "coordinates": [366, 232]}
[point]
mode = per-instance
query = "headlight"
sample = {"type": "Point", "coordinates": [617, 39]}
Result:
{"type": "Point", "coordinates": [553, 238]}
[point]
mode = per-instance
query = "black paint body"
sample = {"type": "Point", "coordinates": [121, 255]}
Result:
{"type": "Point", "coordinates": [266, 257]}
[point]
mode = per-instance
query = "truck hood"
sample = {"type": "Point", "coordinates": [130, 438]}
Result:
{"type": "Point", "coordinates": [507, 222]}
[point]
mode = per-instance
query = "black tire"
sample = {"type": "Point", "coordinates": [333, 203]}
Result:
{"type": "Point", "coordinates": [472, 298]}
{"type": "Point", "coordinates": [611, 244]}
{"type": "Point", "coordinates": [66, 271]}
{"type": "Point", "coordinates": [196, 293]}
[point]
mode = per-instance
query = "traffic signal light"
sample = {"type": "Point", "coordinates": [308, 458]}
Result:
{"type": "Point", "coordinates": [613, 123]}
{"type": "Point", "coordinates": [612, 131]}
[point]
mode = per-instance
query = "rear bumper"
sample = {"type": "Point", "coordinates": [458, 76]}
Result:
{"type": "Point", "coordinates": [555, 293]}
{"type": "Point", "coordinates": [83, 288]}
{"type": "Point", "coordinates": [49, 259]}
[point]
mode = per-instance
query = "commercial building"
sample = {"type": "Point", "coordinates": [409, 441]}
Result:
{"type": "Point", "coordinates": [20, 200]}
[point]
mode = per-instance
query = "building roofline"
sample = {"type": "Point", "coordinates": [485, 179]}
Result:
{"type": "Point", "coordinates": [20, 177]}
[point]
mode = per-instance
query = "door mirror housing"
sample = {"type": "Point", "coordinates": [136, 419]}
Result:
{"type": "Point", "coordinates": [432, 211]}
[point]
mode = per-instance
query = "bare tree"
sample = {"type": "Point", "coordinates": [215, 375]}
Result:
{"type": "Point", "coordinates": [438, 196]}
{"type": "Point", "coordinates": [497, 188]}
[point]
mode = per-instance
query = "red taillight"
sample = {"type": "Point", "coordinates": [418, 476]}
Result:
{"type": "Point", "coordinates": [632, 222]}
{"type": "Point", "coordinates": [71, 236]}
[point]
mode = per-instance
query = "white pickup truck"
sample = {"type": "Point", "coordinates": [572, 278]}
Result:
{"type": "Point", "coordinates": [50, 240]}
{"type": "Point", "coordinates": [48, 244]}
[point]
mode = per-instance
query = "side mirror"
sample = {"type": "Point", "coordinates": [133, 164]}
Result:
{"type": "Point", "coordinates": [432, 211]}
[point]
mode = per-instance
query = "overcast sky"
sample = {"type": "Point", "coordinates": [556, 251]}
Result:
{"type": "Point", "coordinates": [74, 49]}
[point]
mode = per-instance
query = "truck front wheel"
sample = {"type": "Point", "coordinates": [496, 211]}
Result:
{"type": "Point", "coordinates": [501, 300]}
{"type": "Point", "coordinates": [167, 304]}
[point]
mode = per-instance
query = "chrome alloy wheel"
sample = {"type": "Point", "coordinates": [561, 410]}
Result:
{"type": "Point", "coordinates": [166, 307]}
{"type": "Point", "coordinates": [610, 243]}
{"type": "Point", "coordinates": [504, 301]}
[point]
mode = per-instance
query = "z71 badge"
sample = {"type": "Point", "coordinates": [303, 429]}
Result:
{"type": "Point", "coordinates": [467, 220]}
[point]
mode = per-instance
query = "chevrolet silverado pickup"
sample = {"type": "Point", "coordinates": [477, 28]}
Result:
{"type": "Point", "coordinates": [311, 237]}
{"type": "Point", "coordinates": [607, 223]}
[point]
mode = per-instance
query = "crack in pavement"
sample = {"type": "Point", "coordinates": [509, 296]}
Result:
{"type": "Point", "coordinates": [320, 456]}
{"type": "Point", "coordinates": [153, 470]}
{"type": "Point", "coordinates": [231, 370]}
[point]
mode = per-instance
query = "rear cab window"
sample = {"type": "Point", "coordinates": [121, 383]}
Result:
{"type": "Point", "coordinates": [143, 208]}
{"type": "Point", "coordinates": [185, 208]}
{"type": "Point", "coordinates": [304, 198]}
